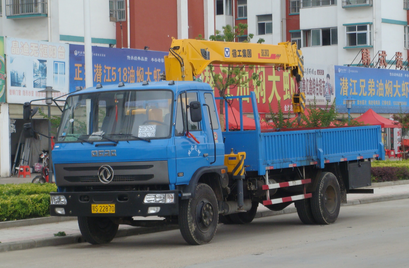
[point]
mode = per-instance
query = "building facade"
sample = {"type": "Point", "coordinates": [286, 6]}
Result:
{"type": "Point", "coordinates": [153, 24]}
{"type": "Point", "coordinates": [265, 18]}
{"type": "Point", "coordinates": [45, 21]}
{"type": "Point", "coordinates": [344, 27]}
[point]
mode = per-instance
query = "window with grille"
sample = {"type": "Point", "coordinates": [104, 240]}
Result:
{"type": "Point", "coordinates": [117, 10]}
{"type": "Point", "coordinates": [351, 3]}
{"type": "Point", "coordinates": [317, 3]}
{"type": "Point", "coordinates": [25, 7]}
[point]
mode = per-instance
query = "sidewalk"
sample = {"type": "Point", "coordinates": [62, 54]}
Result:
{"type": "Point", "coordinates": [32, 233]}
{"type": "Point", "coordinates": [18, 180]}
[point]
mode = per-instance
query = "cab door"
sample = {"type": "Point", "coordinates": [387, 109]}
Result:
{"type": "Point", "coordinates": [192, 150]}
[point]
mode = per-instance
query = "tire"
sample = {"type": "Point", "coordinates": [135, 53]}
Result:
{"type": "Point", "coordinates": [97, 230]}
{"type": "Point", "coordinates": [38, 179]}
{"type": "Point", "coordinates": [198, 216]}
{"type": "Point", "coordinates": [243, 217]}
{"type": "Point", "coordinates": [326, 199]}
{"type": "Point", "coordinates": [304, 211]}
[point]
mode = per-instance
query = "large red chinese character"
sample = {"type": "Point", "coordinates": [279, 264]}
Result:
{"type": "Point", "coordinates": [366, 59]}
{"type": "Point", "coordinates": [382, 59]}
{"type": "Point", "coordinates": [399, 60]}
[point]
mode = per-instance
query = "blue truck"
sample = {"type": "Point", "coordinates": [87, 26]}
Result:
{"type": "Point", "coordinates": [129, 151]}
{"type": "Point", "coordinates": [157, 149]}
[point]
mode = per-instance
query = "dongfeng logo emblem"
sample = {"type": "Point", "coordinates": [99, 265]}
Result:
{"type": "Point", "coordinates": [105, 174]}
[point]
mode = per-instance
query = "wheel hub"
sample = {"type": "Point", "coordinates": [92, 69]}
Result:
{"type": "Point", "coordinates": [330, 199]}
{"type": "Point", "coordinates": [207, 214]}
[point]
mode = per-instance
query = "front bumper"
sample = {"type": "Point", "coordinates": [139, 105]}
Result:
{"type": "Point", "coordinates": [126, 203]}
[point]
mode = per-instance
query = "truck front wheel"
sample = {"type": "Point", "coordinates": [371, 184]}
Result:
{"type": "Point", "coordinates": [326, 199]}
{"type": "Point", "coordinates": [97, 230]}
{"type": "Point", "coordinates": [198, 216]}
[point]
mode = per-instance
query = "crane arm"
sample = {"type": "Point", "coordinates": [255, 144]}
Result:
{"type": "Point", "coordinates": [189, 57]}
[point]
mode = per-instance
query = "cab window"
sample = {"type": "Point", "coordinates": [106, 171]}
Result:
{"type": "Point", "coordinates": [181, 125]}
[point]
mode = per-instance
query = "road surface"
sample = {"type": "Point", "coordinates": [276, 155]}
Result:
{"type": "Point", "coordinates": [370, 235]}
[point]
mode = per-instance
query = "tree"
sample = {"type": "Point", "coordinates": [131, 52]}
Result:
{"type": "Point", "coordinates": [232, 76]}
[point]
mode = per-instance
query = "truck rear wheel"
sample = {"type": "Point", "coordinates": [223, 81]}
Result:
{"type": "Point", "coordinates": [97, 230]}
{"type": "Point", "coordinates": [198, 216]}
{"type": "Point", "coordinates": [326, 199]}
{"type": "Point", "coordinates": [243, 217]}
{"type": "Point", "coordinates": [304, 211]}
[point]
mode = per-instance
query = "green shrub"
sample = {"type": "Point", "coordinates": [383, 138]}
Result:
{"type": "Point", "coordinates": [390, 163]}
{"type": "Point", "coordinates": [389, 170]}
{"type": "Point", "coordinates": [7, 190]}
{"type": "Point", "coordinates": [24, 206]}
{"type": "Point", "coordinates": [23, 201]}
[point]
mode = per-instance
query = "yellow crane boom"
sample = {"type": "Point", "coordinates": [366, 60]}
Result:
{"type": "Point", "coordinates": [189, 57]}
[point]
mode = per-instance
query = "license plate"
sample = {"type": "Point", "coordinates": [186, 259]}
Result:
{"type": "Point", "coordinates": [103, 209]}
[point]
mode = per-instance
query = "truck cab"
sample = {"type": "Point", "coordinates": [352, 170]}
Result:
{"type": "Point", "coordinates": [131, 150]}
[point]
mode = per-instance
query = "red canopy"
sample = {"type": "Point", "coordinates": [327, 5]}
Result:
{"type": "Point", "coordinates": [372, 118]}
{"type": "Point", "coordinates": [248, 123]}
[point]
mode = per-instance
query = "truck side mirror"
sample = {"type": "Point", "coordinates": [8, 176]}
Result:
{"type": "Point", "coordinates": [195, 111]}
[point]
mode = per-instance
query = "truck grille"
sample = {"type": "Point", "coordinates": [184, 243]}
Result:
{"type": "Point", "coordinates": [130, 173]}
{"type": "Point", "coordinates": [84, 179]}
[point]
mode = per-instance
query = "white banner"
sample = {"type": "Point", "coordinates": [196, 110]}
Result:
{"type": "Point", "coordinates": [33, 65]}
{"type": "Point", "coordinates": [318, 84]}
{"type": "Point", "coordinates": [397, 138]}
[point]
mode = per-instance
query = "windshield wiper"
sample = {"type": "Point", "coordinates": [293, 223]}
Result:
{"type": "Point", "coordinates": [98, 136]}
{"type": "Point", "coordinates": [133, 136]}
{"type": "Point", "coordinates": [85, 140]}
{"type": "Point", "coordinates": [105, 137]}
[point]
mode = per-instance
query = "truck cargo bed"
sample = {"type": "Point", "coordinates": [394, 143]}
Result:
{"type": "Point", "coordinates": [295, 148]}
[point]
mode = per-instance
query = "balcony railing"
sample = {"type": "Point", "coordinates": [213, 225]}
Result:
{"type": "Point", "coordinates": [354, 3]}
{"type": "Point", "coordinates": [26, 7]}
{"type": "Point", "coordinates": [317, 3]}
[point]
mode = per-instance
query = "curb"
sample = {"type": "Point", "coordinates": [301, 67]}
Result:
{"type": "Point", "coordinates": [73, 239]}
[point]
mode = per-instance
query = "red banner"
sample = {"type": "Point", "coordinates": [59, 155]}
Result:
{"type": "Point", "coordinates": [276, 86]}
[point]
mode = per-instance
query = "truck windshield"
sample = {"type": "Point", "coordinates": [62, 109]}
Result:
{"type": "Point", "coordinates": [115, 116]}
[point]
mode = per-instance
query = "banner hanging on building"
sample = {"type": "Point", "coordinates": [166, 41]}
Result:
{"type": "Point", "coordinates": [277, 86]}
{"type": "Point", "coordinates": [33, 65]}
{"type": "Point", "coordinates": [318, 85]}
{"type": "Point", "coordinates": [114, 65]}
{"type": "Point", "coordinates": [382, 90]}
{"type": "Point", "coordinates": [2, 72]}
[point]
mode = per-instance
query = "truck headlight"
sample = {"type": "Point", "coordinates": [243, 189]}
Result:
{"type": "Point", "coordinates": [159, 198]}
{"type": "Point", "coordinates": [58, 200]}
